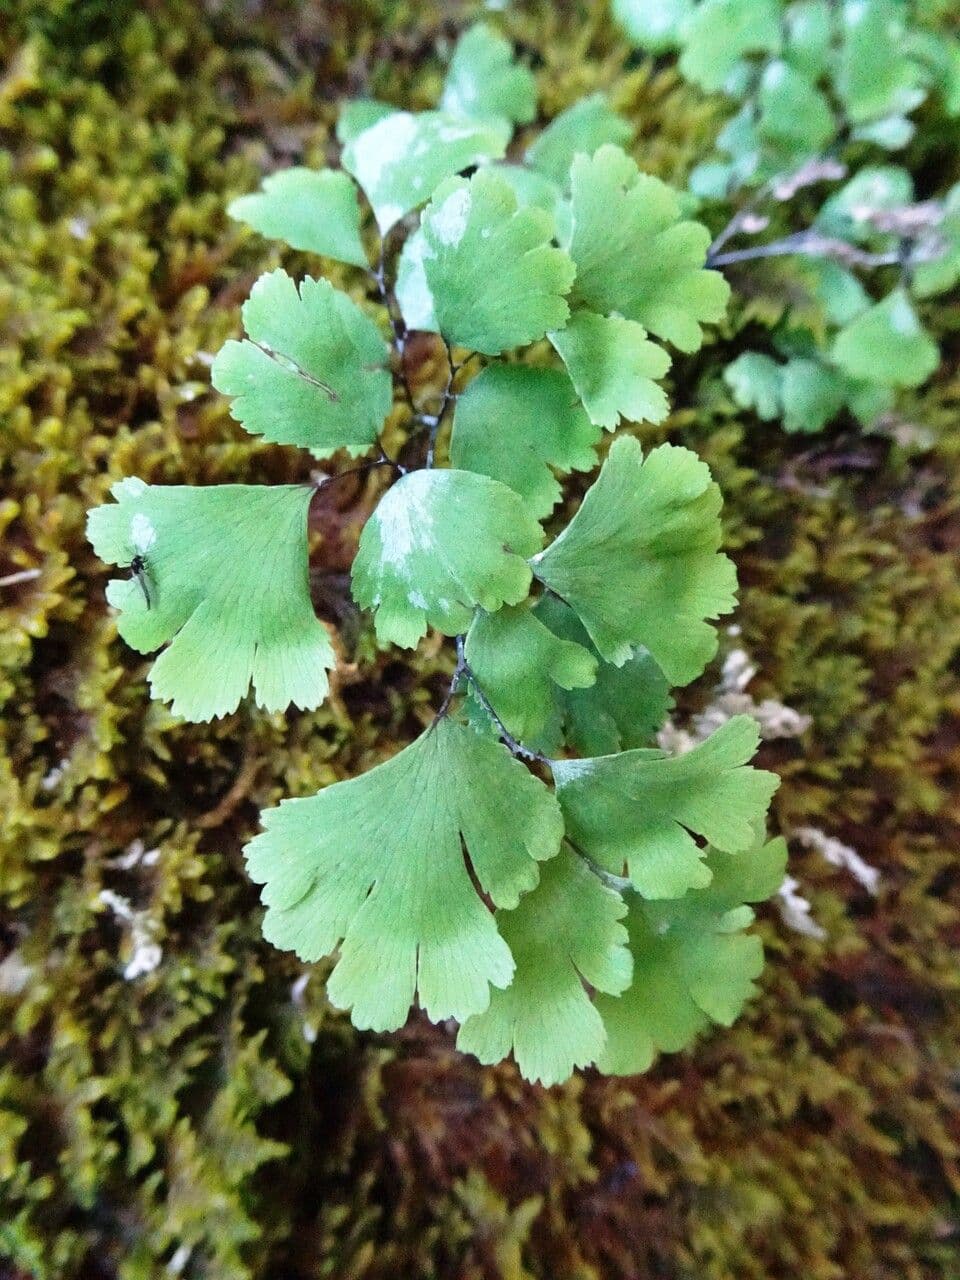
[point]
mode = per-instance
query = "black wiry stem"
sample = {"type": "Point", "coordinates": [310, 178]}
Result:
{"type": "Point", "coordinates": [455, 679]}
{"type": "Point", "coordinates": [433, 421]}
{"type": "Point", "coordinates": [813, 243]}
{"type": "Point", "coordinates": [618, 883]}
{"type": "Point", "coordinates": [516, 748]}
{"type": "Point", "coordinates": [748, 219]}
{"type": "Point", "coordinates": [382, 461]}
{"type": "Point", "coordinates": [397, 326]}
{"type": "Point", "coordinates": [379, 274]}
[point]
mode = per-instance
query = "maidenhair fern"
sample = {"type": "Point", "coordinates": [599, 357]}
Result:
{"type": "Point", "coordinates": [532, 865]}
{"type": "Point", "coordinates": [821, 88]}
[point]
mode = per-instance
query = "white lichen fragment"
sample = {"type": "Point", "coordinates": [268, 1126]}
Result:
{"type": "Point", "coordinates": [730, 698]}
{"type": "Point", "coordinates": [298, 992]}
{"type": "Point", "coordinates": [840, 855]}
{"type": "Point", "coordinates": [15, 973]}
{"type": "Point", "coordinates": [795, 910]}
{"type": "Point", "coordinates": [145, 952]}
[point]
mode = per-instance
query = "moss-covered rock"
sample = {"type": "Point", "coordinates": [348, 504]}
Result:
{"type": "Point", "coordinates": [178, 1098]}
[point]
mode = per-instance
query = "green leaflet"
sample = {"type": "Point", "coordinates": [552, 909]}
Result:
{"type": "Point", "coordinates": [891, 132]}
{"type": "Point", "coordinates": [635, 255]}
{"type": "Point", "coordinates": [794, 114]}
{"type": "Point", "coordinates": [873, 189]}
{"type": "Point", "coordinates": [813, 395]}
{"type": "Point", "coordinates": [624, 706]}
{"type": "Point", "coordinates": [518, 662]}
{"type": "Point", "coordinates": [613, 367]}
{"type": "Point", "coordinates": [439, 544]}
{"type": "Point", "coordinates": [756, 382]}
{"type": "Point", "coordinates": [641, 809]}
{"type": "Point", "coordinates": [887, 345]}
{"type": "Point", "coordinates": [225, 569]}
{"type": "Point", "coordinates": [580, 130]}
{"type": "Point", "coordinates": [375, 867]}
{"type": "Point", "coordinates": [874, 76]}
{"type": "Point", "coordinates": [838, 290]}
{"type": "Point", "coordinates": [518, 424]}
{"type": "Point", "coordinates": [360, 114]}
{"type": "Point", "coordinates": [868, 401]}
{"type": "Point", "coordinates": [566, 932]}
{"type": "Point", "coordinates": [485, 81]}
{"type": "Point", "coordinates": [809, 27]}
{"type": "Point", "coordinates": [941, 274]}
{"type": "Point", "coordinates": [412, 291]}
{"type": "Point", "coordinates": [312, 371]}
{"type": "Point", "coordinates": [496, 280]}
{"type": "Point", "coordinates": [739, 140]}
{"type": "Point", "coordinates": [639, 562]}
{"type": "Point", "coordinates": [692, 964]}
{"type": "Point", "coordinates": [655, 25]}
{"type": "Point", "coordinates": [937, 55]}
{"type": "Point", "coordinates": [806, 392]}
{"type": "Point", "coordinates": [532, 187]}
{"type": "Point", "coordinates": [720, 32]}
{"type": "Point", "coordinates": [308, 209]}
{"type": "Point", "coordinates": [401, 159]}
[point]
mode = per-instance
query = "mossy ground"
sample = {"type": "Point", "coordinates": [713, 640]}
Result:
{"type": "Point", "coordinates": [213, 1117]}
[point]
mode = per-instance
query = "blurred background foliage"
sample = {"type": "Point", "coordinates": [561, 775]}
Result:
{"type": "Point", "coordinates": [176, 1098]}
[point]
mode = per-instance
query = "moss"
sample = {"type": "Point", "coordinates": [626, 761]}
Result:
{"type": "Point", "coordinates": [213, 1116]}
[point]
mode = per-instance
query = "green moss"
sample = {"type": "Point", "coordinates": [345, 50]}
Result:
{"type": "Point", "coordinates": [213, 1113]}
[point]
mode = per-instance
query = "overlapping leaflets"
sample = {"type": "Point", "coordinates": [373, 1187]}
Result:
{"type": "Point", "coordinates": [640, 809]}
{"type": "Point", "coordinates": [787, 61]}
{"type": "Point", "coordinates": [401, 159]}
{"type": "Point", "coordinates": [530, 186]}
{"type": "Point", "coordinates": [806, 392]}
{"type": "Point", "coordinates": [566, 932]}
{"type": "Point", "coordinates": [441, 879]}
{"type": "Point", "coordinates": [375, 867]}
{"type": "Point", "coordinates": [692, 962]}
{"type": "Point", "coordinates": [820, 88]}
{"type": "Point", "coordinates": [520, 424]}
{"type": "Point", "coordinates": [413, 295]}
{"type": "Point", "coordinates": [635, 254]}
{"type": "Point", "coordinates": [519, 663]}
{"type": "Point", "coordinates": [640, 563]}
{"type": "Point", "coordinates": [496, 279]}
{"type": "Point", "coordinates": [623, 707]}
